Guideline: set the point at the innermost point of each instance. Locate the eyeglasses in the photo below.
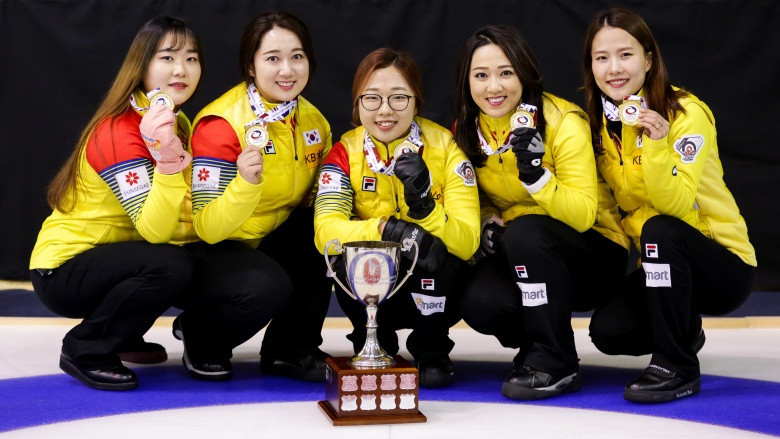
(372, 102)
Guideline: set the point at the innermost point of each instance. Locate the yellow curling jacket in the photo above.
(679, 175)
(224, 205)
(352, 199)
(121, 197)
(570, 190)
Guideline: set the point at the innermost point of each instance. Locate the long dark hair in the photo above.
(525, 66)
(62, 192)
(659, 93)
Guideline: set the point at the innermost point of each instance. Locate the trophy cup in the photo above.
(371, 387)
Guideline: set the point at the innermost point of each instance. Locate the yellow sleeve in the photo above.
(159, 216)
(674, 165)
(456, 220)
(570, 193)
(333, 205)
(222, 216)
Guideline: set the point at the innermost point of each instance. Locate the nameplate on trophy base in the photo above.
(358, 396)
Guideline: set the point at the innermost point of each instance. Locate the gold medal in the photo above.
(522, 119)
(161, 99)
(257, 135)
(403, 148)
(629, 111)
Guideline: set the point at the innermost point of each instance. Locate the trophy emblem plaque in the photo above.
(371, 387)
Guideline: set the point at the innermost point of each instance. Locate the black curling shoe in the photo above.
(658, 384)
(309, 368)
(527, 383)
(140, 351)
(208, 370)
(103, 375)
(436, 373)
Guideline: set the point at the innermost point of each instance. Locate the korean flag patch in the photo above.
(312, 137)
(688, 147)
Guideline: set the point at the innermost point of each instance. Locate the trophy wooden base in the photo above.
(371, 396)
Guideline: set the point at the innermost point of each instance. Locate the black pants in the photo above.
(525, 293)
(692, 275)
(428, 303)
(118, 290)
(297, 331)
(235, 291)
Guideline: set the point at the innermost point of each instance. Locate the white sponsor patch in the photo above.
(133, 182)
(205, 178)
(428, 305)
(689, 147)
(657, 275)
(312, 137)
(269, 148)
(329, 182)
(465, 170)
(651, 250)
(533, 294)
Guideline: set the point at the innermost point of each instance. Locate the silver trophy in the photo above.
(372, 271)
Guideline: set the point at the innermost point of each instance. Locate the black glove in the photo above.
(492, 238)
(432, 249)
(529, 149)
(411, 170)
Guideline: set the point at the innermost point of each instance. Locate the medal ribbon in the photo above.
(265, 117)
(610, 110)
(375, 162)
(486, 146)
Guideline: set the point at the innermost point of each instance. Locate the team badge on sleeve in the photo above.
(312, 137)
(688, 147)
(205, 178)
(329, 182)
(465, 170)
(133, 182)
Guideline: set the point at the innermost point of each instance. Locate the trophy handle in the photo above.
(407, 244)
(332, 273)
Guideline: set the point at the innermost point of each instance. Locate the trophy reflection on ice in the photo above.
(371, 272)
(371, 387)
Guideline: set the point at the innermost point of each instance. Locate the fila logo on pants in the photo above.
(428, 305)
(651, 250)
(533, 294)
(657, 275)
